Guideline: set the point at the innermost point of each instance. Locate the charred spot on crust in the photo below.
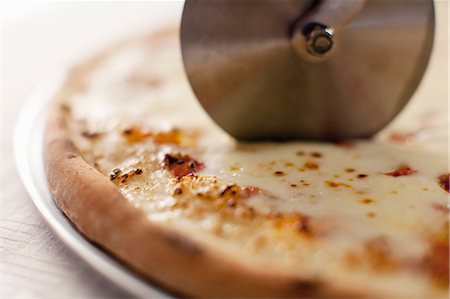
(444, 181)
(71, 155)
(362, 176)
(180, 165)
(279, 173)
(402, 170)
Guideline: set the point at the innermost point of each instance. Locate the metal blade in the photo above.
(242, 67)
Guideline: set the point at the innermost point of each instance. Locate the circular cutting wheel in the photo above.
(252, 79)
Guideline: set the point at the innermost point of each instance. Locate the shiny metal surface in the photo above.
(262, 71)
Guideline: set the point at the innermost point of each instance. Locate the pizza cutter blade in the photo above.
(305, 69)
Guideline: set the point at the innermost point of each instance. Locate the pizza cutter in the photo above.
(305, 69)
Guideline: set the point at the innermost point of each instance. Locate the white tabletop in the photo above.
(36, 39)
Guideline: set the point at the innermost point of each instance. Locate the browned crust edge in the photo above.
(102, 214)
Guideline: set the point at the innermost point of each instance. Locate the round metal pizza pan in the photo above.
(28, 152)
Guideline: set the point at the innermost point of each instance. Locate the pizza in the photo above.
(140, 169)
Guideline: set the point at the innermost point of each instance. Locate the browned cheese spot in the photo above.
(297, 221)
(122, 176)
(402, 170)
(376, 253)
(371, 214)
(444, 181)
(289, 164)
(177, 191)
(367, 201)
(310, 165)
(135, 134)
(279, 173)
(400, 137)
(441, 207)
(316, 155)
(180, 165)
(436, 261)
(115, 173)
(337, 184)
(217, 193)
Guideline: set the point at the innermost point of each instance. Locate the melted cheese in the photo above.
(322, 211)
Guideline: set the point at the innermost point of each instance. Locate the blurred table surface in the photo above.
(37, 38)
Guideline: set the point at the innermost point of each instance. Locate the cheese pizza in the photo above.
(140, 169)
